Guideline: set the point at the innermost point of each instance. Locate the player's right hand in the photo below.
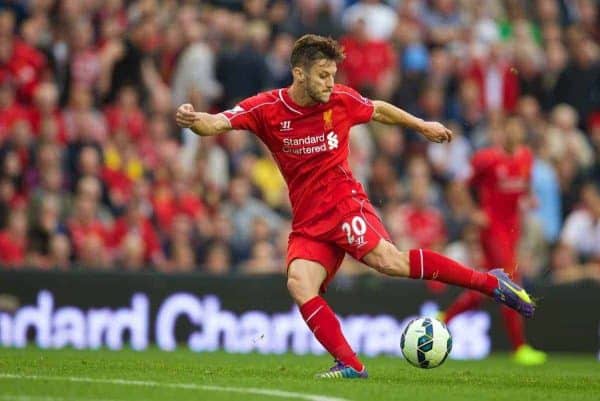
(185, 115)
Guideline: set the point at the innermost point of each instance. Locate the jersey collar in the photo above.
(286, 99)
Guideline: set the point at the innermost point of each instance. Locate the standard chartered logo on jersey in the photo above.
(332, 140)
(311, 144)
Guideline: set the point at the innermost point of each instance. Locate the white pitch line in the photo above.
(186, 386)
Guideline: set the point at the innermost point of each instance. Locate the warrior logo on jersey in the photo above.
(285, 125)
(328, 119)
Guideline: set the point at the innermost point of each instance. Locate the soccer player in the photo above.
(501, 180)
(306, 128)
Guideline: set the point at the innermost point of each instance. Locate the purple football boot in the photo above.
(512, 295)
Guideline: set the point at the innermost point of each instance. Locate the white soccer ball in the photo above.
(426, 343)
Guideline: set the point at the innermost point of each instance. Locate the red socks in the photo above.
(514, 326)
(429, 265)
(466, 301)
(326, 327)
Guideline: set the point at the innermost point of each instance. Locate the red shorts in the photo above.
(355, 228)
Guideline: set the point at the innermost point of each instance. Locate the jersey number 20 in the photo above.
(357, 227)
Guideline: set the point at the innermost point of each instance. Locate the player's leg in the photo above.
(469, 300)
(364, 237)
(306, 278)
(500, 249)
(466, 301)
(428, 265)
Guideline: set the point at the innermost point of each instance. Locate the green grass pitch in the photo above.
(64, 375)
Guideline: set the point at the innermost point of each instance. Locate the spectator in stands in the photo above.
(265, 175)
(218, 259)
(460, 211)
(19, 61)
(179, 247)
(85, 61)
(59, 253)
(443, 21)
(13, 240)
(496, 78)
(239, 59)
(574, 83)
(383, 187)
(594, 172)
(380, 18)
(243, 208)
(451, 162)
(416, 223)
(369, 63)
(81, 116)
(262, 260)
(129, 55)
(565, 139)
(50, 184)
(46, 225)
(8, 198)
(318, 17)
(16, 158)
(278, 60)
(581, 232)
(88, 233)
(134, 239)
(10, 110)
(194, 72)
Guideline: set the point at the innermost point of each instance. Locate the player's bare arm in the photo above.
(203, 124)
(389, 114)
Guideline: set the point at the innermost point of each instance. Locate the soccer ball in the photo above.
(426, 343)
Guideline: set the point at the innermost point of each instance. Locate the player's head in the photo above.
(590, 196)
(314, 64)
(514, 133)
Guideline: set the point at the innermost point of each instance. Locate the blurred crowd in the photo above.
(94, 173)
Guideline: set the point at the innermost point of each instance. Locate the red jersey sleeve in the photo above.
(360, 109)
(246, 114)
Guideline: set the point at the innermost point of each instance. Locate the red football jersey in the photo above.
(310, 145)
(500, 180)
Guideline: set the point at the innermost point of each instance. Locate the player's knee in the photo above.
(299, 288)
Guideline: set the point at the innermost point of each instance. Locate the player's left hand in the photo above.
(436, 132)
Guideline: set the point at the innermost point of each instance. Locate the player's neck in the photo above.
(298, 94)
(511, 149)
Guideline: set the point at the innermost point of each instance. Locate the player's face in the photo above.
(320, 80)
(514, 133)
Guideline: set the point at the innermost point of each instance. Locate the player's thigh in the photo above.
(387, 259)
(360, 232)
(305, 254)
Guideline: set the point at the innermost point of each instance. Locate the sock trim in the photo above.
(422, 269)
(314, 313)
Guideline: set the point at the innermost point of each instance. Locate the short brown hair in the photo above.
(310, 48)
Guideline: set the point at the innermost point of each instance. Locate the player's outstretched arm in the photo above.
(389, 114)
(203, 124)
